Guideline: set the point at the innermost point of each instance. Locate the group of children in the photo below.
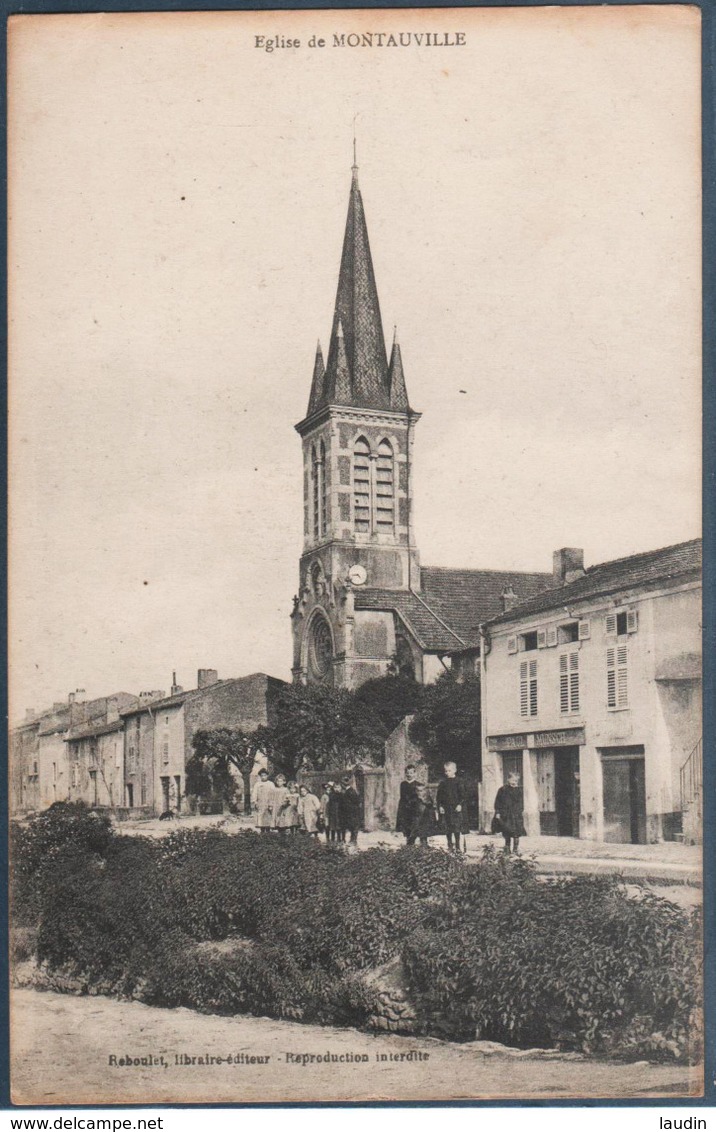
(286, 807)
(418, 817)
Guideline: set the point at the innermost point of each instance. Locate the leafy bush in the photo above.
(576, 963)
(241, 922)
(66, 829)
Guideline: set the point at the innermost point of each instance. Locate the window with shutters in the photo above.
(384, 487)
(623, 622)
(361, 486)
(569, 682)
(165, 749)
(528, 687)
(529, 641)
(617, 677)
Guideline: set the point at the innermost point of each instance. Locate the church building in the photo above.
(365, 606)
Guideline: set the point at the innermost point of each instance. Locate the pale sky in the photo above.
(178, 199)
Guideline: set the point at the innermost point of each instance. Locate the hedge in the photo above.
(243, 923)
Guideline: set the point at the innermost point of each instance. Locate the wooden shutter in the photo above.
(611, 678)
(533, 687)
(541, 638)
(574, 681)
(632, 620)
(611, 623)
(584, 630)
(512, 644)
(622, 677)
(563, 683)
(552, 637)
(524, 691)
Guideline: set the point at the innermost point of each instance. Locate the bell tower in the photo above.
(357, 440)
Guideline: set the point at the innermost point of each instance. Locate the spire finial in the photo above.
(395, 334)
(355, 157)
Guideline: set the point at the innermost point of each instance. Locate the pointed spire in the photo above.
(338, 381)
(358, 310)
(396, 378)
(317, 385)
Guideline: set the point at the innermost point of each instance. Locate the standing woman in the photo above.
(281, 805)
(263, 802)
(508, 813)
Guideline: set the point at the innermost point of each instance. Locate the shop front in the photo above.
(548, 765)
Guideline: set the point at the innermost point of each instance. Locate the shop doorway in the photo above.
(624, 795)
(558, 791)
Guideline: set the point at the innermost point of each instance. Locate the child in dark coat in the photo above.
(508, 813)
(350, 800)
(334, 815)
(451, 807)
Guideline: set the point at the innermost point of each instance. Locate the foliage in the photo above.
(576, 963)
(320, 727)
(389, 699)
(208, 771)
(447, 724)
(64, 828)
(241, 922)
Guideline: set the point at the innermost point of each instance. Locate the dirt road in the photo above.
(87, 1050)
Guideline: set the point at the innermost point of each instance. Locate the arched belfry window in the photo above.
(322, 487)
(361, 485)
(315, 496)
(385, 487)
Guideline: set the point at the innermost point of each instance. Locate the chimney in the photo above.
(567, 564)
(176, 688)
(205, 677)
(509, 599)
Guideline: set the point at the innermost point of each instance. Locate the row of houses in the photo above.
(128, 752)
(590, 689)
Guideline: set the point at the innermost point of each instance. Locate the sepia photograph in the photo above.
(355, 556)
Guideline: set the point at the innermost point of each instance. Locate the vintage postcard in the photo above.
(355, 557)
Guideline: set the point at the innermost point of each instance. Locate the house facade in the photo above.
(95, 753)
(591, 691)
(158, 733)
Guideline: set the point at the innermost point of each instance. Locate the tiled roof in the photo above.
(425, 625)
(467, 598)
(89, 730)
(446, 614)
(649, 569)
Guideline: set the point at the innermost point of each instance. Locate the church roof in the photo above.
(445, 615)
(468, 598)
(357, 371)
(648, 569)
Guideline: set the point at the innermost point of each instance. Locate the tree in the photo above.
(320, 727)
(388, 699)
(208, 771)
(447, 724)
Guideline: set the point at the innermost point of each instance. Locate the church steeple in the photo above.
(357, 367)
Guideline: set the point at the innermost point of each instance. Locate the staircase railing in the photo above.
(691, 776)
